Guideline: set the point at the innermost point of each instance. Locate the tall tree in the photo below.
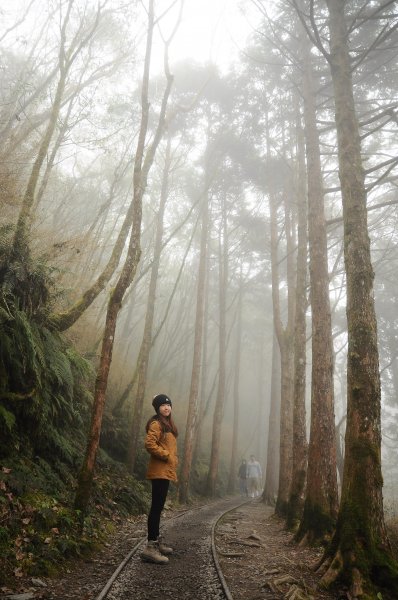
(193, 401)
(236, 396)
(321, 500)
(284, 335)
(359, 552)
(146, 343)
(67, 56)
(220, 400)
(142, 164)
(299, 466)
(270, 493)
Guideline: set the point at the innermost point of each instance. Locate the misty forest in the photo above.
(221, 231)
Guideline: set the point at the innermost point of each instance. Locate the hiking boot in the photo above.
(163, 548)
(152, 554)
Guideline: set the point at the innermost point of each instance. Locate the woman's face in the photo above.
(165, 410)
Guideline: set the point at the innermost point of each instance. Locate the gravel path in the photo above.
(255, 552)
(190, 574)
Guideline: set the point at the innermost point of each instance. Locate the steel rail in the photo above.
(221, 577)
(105, 590)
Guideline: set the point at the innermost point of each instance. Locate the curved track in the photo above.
(193, 570)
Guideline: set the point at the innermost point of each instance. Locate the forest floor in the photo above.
(256, 553)
(259, 560)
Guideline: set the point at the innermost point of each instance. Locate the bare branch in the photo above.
(382, 36)
(21, 20)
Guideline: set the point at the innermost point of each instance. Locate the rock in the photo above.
(38, 582)
(254, 536)
(25, 596)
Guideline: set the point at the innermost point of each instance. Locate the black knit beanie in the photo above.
(160, 399)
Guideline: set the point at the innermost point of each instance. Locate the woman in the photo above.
(161, 443)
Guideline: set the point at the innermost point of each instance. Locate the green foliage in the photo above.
(42, 377)
(41, 532)
(44, 407)
(7, 418)
(39, 529)
(113, 487)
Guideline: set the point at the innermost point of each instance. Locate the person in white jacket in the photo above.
(254, 476)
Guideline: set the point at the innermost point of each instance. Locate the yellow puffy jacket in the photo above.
(163, 450)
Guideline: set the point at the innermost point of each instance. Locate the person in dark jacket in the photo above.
(242, 475)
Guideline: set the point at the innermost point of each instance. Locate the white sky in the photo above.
(211, 30)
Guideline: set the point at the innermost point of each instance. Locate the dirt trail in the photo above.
(259, 561)
(255, 552)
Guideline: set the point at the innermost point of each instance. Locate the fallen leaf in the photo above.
(47, 540)
(6, 470)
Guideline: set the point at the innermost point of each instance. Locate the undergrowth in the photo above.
(45, 404)
(39, 529)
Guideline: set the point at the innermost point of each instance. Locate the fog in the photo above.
(231, 141)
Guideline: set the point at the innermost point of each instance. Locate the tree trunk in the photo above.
(193, 404)
(271, 476)
(20, 242)
(359, 553)
(238, 352)
(284, 336)
(117, 409)
(65, 319)
(219, 407)
(321, 501)
(203, 377)
(299, 468)
(146, 344)
(141, 170)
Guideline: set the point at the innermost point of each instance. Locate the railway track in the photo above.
(193, 571)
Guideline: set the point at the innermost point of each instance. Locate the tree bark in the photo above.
(235, 430)
(321, 501)
(219, 406)
(270, 493)
(193, 402)
(284, 336)
(146, 344)
(359, 553)
(204, 371)
(299, 467)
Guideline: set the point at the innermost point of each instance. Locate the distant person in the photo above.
(161, 443)
(242, 475)
(254, 475)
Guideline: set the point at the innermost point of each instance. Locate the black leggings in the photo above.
(160, 487)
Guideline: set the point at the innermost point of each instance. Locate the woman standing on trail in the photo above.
(161, 444)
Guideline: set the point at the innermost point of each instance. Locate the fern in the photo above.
(28, 344)
(41, 375)
(81, 367)
(7, 417)
(58, 365)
